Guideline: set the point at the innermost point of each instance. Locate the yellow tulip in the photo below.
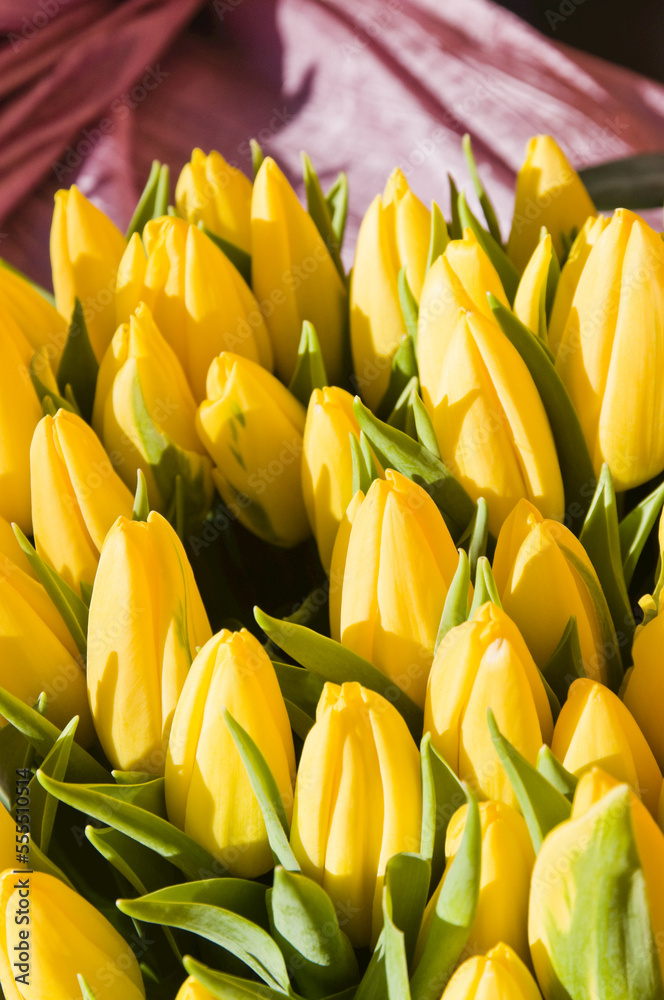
(252, 427)
(208, 793)
(191, 989)
(498, 975)
(484, 664)
(490, 422)
(86, 249)
(146, 621)
(64, 937)
(616, 320)
(539, 568)
(594, 728)
(507, 860)
(358, 801)
(327, 466)
(20, 412)
(394, 574)
(572, 270)
(459, 279)
(143, 395)
(395, 233)
(199, 300)
(530, 298)
(76, 496)
(211, 191)
(549, 193)
(293, 275)
(644, 683)
(39, 322)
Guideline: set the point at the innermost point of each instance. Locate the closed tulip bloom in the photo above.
(498, 975)
(39, 321)
(208, 792)
(191, 989)
(327, 465)
(141, 394)
(617, 319)
(398, 564)
(86, 249)
(481, 664)
(395, 233)
(491, 424)
(252, 427)
(146, 622)
(549, 193)
(20, 412)
(572, 270)
(544, 576)
(76, 496)
(594, 728)
(507, 860)
(293, 274)
(69, 937)
(530, 298)
(644, 687)
(358, 801)
(211, 191)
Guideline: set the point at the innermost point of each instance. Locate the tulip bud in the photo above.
(358, 801)
(530, 298)
(199, 300)
(572, 270)
(20, 412)
(146, 621)
(459, 279)
(394, 233)
(395, 573)
(644, 683)
(481, 664)
(596, 913)
(211, 191)
(191, 989)
(293, 275)
(498, 975)
(63, 937)
(507, 860)
(491, 424)
(542, 571)
(615, 321)
(327, 465)
(595, 728)
(548, 193)
(208, 792)
(143, 405)
(86, 249)
(252, 427)
(39, 322)
(76, 496)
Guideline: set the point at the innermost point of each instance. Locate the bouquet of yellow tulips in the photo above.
(332, 605)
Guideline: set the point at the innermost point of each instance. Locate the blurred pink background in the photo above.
(93, 90)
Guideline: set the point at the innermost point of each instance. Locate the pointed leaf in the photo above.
(226, 987)
(309, 371)
(298, 685)
(153, 201)
(78, 366)
(257, 156)
(426, 435)
(403, 370)
(550, 768)
(86, 992)
(238, 257)
(402, 416)
(479, 536)
(43, 807)
(141, 503)
(409, 307)
(238, 895)
(635, 529)
(455, 230)
(483, 198)
(442, 795)
(439, 235)
(396, 963)
(508, 274)
(457, 608)
(337, 205)
(566, 662)
(319, 211)
(407, 878)
(485, 586)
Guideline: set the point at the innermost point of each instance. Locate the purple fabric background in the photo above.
(361, 86)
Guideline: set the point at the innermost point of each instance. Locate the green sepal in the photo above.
(454, 912)
(319, 211)
(455, 229)
(403, 370)
(542, 805)
(141, 507)
(457, 607)
(396, 962)
(309, 371)
(576, 466)
(442, 795)
(508, 274)
(396, 450)
(257, 156)
(407, 881)
(78, 368)
(483, 198)
(566, 662)
(409, 307)
(154, 199)
(226, 987)
(550, 768)
(238, 257)
(439, 237)
(45, 294)
(47, 391)
(635, 528)
(331, 661)
(266, 791)
(337, 205)
(485, 587)
(43, 807)
(305, 926)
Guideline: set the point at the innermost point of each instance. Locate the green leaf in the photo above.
(426, 435)
(226, 987)
(299, 685)
(309, 371)
(78, 366)
(407, 879)
(396, 450)
(402, 416)
(86, 992)
(635, 528)
(455, 224)
(550, 768)
(300, 722)
(442, 795)
(575, 465)
(439, 235)
(141, 503)
(102, 803)
(331, 661)
(45, 385)
(402, 372)
(266, 791)
(43, 807)
(245, 897)
(542, 805)
(305, 925)
(508, 274)
(454, 912)
(552, 279)
(319, 211)
(337, 205)
(485, 586)
(479, 535)
(238, 257)
(409, 307)
(566, 662)
(457, 608)
(153, 201)
(361, 475)
(396, 963)
(630, 182)
(484, 200)
(257, 156)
